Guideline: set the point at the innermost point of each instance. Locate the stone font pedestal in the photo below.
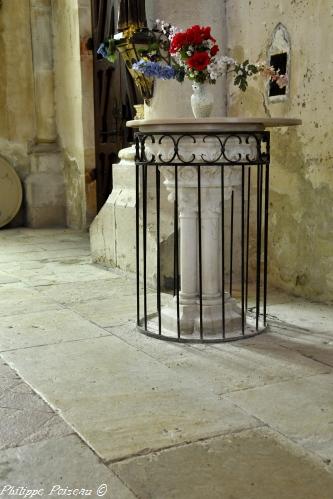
(216, 172)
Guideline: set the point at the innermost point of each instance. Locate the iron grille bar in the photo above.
(222, 252)
(177, 250)
(144, 216)
(158, 255)
(248, 236)
(259, 215)
(200, 251)
(242, 251)
(137, 231)
(266, 241)
(231, 241)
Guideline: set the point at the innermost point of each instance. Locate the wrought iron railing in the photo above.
(232, 168)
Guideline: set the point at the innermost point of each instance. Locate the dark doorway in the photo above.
(114, 97)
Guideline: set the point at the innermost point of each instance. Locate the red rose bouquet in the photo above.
(193, 51)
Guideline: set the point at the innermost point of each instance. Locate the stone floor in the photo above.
(88, 403)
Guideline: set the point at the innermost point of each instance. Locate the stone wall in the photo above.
(301, 216)
(46, 108)
(17, 120)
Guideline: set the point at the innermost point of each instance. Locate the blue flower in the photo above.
(154, 70)
(102, 50)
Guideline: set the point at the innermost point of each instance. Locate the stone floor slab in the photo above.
(58, 272)
(121, 400)
(73, 293)
(66, 462)
(45, 328)
(300, 409)
(14, 398)
(251, 464)
(17, 301)
(44, 264)
(13, 247)
(6, 278)
(55, 427)
(7, 383)
(318, 347)
(17, 425)
(116, 310)
(43, 255)
(20, 406)
(227, 367)
(313, 317)
(7, 372)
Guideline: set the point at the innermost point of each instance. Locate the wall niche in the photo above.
(278, 56)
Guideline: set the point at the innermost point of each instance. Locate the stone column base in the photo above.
(45, 188)
(189, 317)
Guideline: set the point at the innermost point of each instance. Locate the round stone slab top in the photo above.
(211, 124)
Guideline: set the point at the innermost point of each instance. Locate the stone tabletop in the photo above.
(211, 124)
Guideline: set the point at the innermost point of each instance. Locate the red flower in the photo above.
(178, 42)
(214, 50)
(193, 35)
(199, 61)
(205, 33)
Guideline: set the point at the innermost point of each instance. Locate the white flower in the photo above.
(173, 30)
(178, 58)
(218, 66)
(227, 60)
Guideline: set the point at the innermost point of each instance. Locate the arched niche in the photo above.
(278, 55)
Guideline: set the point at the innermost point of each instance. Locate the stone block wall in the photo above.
(17, 121)
(301, 216)
(46, 108)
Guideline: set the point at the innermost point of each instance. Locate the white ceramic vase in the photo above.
(202, 100)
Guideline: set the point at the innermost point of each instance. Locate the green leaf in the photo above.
(252, 68)
(243, 85)
(111, 58)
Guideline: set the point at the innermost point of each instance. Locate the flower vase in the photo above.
(202, 100)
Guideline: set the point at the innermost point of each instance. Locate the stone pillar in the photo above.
(188, 210)
(188, 218)
(42, 48)
(45, 190)
(210, 218)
